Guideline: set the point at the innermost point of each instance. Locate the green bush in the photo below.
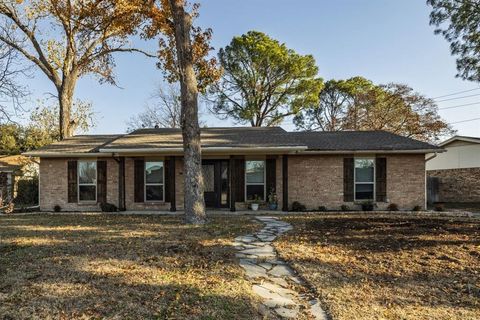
(439, 207)
(298, 207)
(57, 208)
(392, 207)
(108, 207)
(417, 208)
(368, 206)
(344, 207)
(27, 192)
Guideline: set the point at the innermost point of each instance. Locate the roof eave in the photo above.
(36, 154)
(205, 150)
(411, 151)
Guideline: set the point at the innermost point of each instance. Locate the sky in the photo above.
(382, 40)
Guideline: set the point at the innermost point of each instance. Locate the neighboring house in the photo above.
(455, 174)
(11, 169)
(143, 170)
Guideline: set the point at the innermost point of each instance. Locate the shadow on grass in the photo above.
(126, 267)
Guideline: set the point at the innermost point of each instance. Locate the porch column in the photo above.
(173, 201)
(285, 182)
(233, 183)
(121, 184)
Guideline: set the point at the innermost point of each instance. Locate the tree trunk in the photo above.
(194, 201)
(65, 100)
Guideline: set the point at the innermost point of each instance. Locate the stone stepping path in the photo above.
(272, 279)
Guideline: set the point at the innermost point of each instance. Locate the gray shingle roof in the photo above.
(77, 144)
(237, 137)
(359, 140)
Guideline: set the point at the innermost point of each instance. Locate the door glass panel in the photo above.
(224, 175)
(208, 171)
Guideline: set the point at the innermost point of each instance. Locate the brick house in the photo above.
(143, 170)
(455, 174)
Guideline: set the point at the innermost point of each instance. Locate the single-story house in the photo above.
(143, 170)
(455, 174)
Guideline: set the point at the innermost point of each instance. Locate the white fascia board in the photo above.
(67, 154)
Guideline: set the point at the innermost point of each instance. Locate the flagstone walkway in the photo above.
(272, 279)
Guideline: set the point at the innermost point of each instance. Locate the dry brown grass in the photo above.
(388, 266)
(122, 267)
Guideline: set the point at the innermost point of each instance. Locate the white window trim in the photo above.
(87, 184)
(256, 183)
(153, 184)
(372, 183)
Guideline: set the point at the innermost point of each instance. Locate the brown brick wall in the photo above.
(318, 181)
(458, 185)
(54, 185)
(313, 180)
(406, 180)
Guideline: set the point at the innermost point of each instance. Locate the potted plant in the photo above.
(272, 200)
(255, 203)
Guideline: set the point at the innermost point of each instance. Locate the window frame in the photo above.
(87, 184)
(145, 183)
(373, 183)
(256, 183)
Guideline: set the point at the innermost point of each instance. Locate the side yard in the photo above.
(135, 267)
(371, 266)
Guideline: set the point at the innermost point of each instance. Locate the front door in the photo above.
(215, 177)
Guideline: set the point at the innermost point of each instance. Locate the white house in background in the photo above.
(457, 171)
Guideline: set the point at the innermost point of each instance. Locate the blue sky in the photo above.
(383, 40)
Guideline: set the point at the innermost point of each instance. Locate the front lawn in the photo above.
(122, 267)
(371, 266)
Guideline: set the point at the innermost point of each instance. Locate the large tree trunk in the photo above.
(194, 201)
(65, 101)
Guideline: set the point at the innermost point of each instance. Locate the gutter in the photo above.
(66, 154)
(431, 157)
(419, 151)
(206, 150)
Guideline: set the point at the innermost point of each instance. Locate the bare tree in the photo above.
(12, 93)
(165, 112)
(68, 39)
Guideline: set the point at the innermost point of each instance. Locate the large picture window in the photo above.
(87, 181)
(364, 179)
(154, 181)
(255, 179)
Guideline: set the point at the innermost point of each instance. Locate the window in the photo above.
(255, 180)
(87, 180)
(154, 189)
(364, 179)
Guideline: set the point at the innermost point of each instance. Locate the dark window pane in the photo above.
(154, 172)
(154, 193)
(364, 170)
(87, 172)
(255, 190)
(364, 192)
(87, 193)
(208, 171)
(255, 171)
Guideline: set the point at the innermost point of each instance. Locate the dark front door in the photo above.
(215, 177)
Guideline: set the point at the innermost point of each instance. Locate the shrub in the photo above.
(108, 207)
(367, 206)
(392, 207)
(322, 208)
(439, 207)
(417, 208)
(344, 207)
(297, 206)
(27, 192)
(57, 208)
